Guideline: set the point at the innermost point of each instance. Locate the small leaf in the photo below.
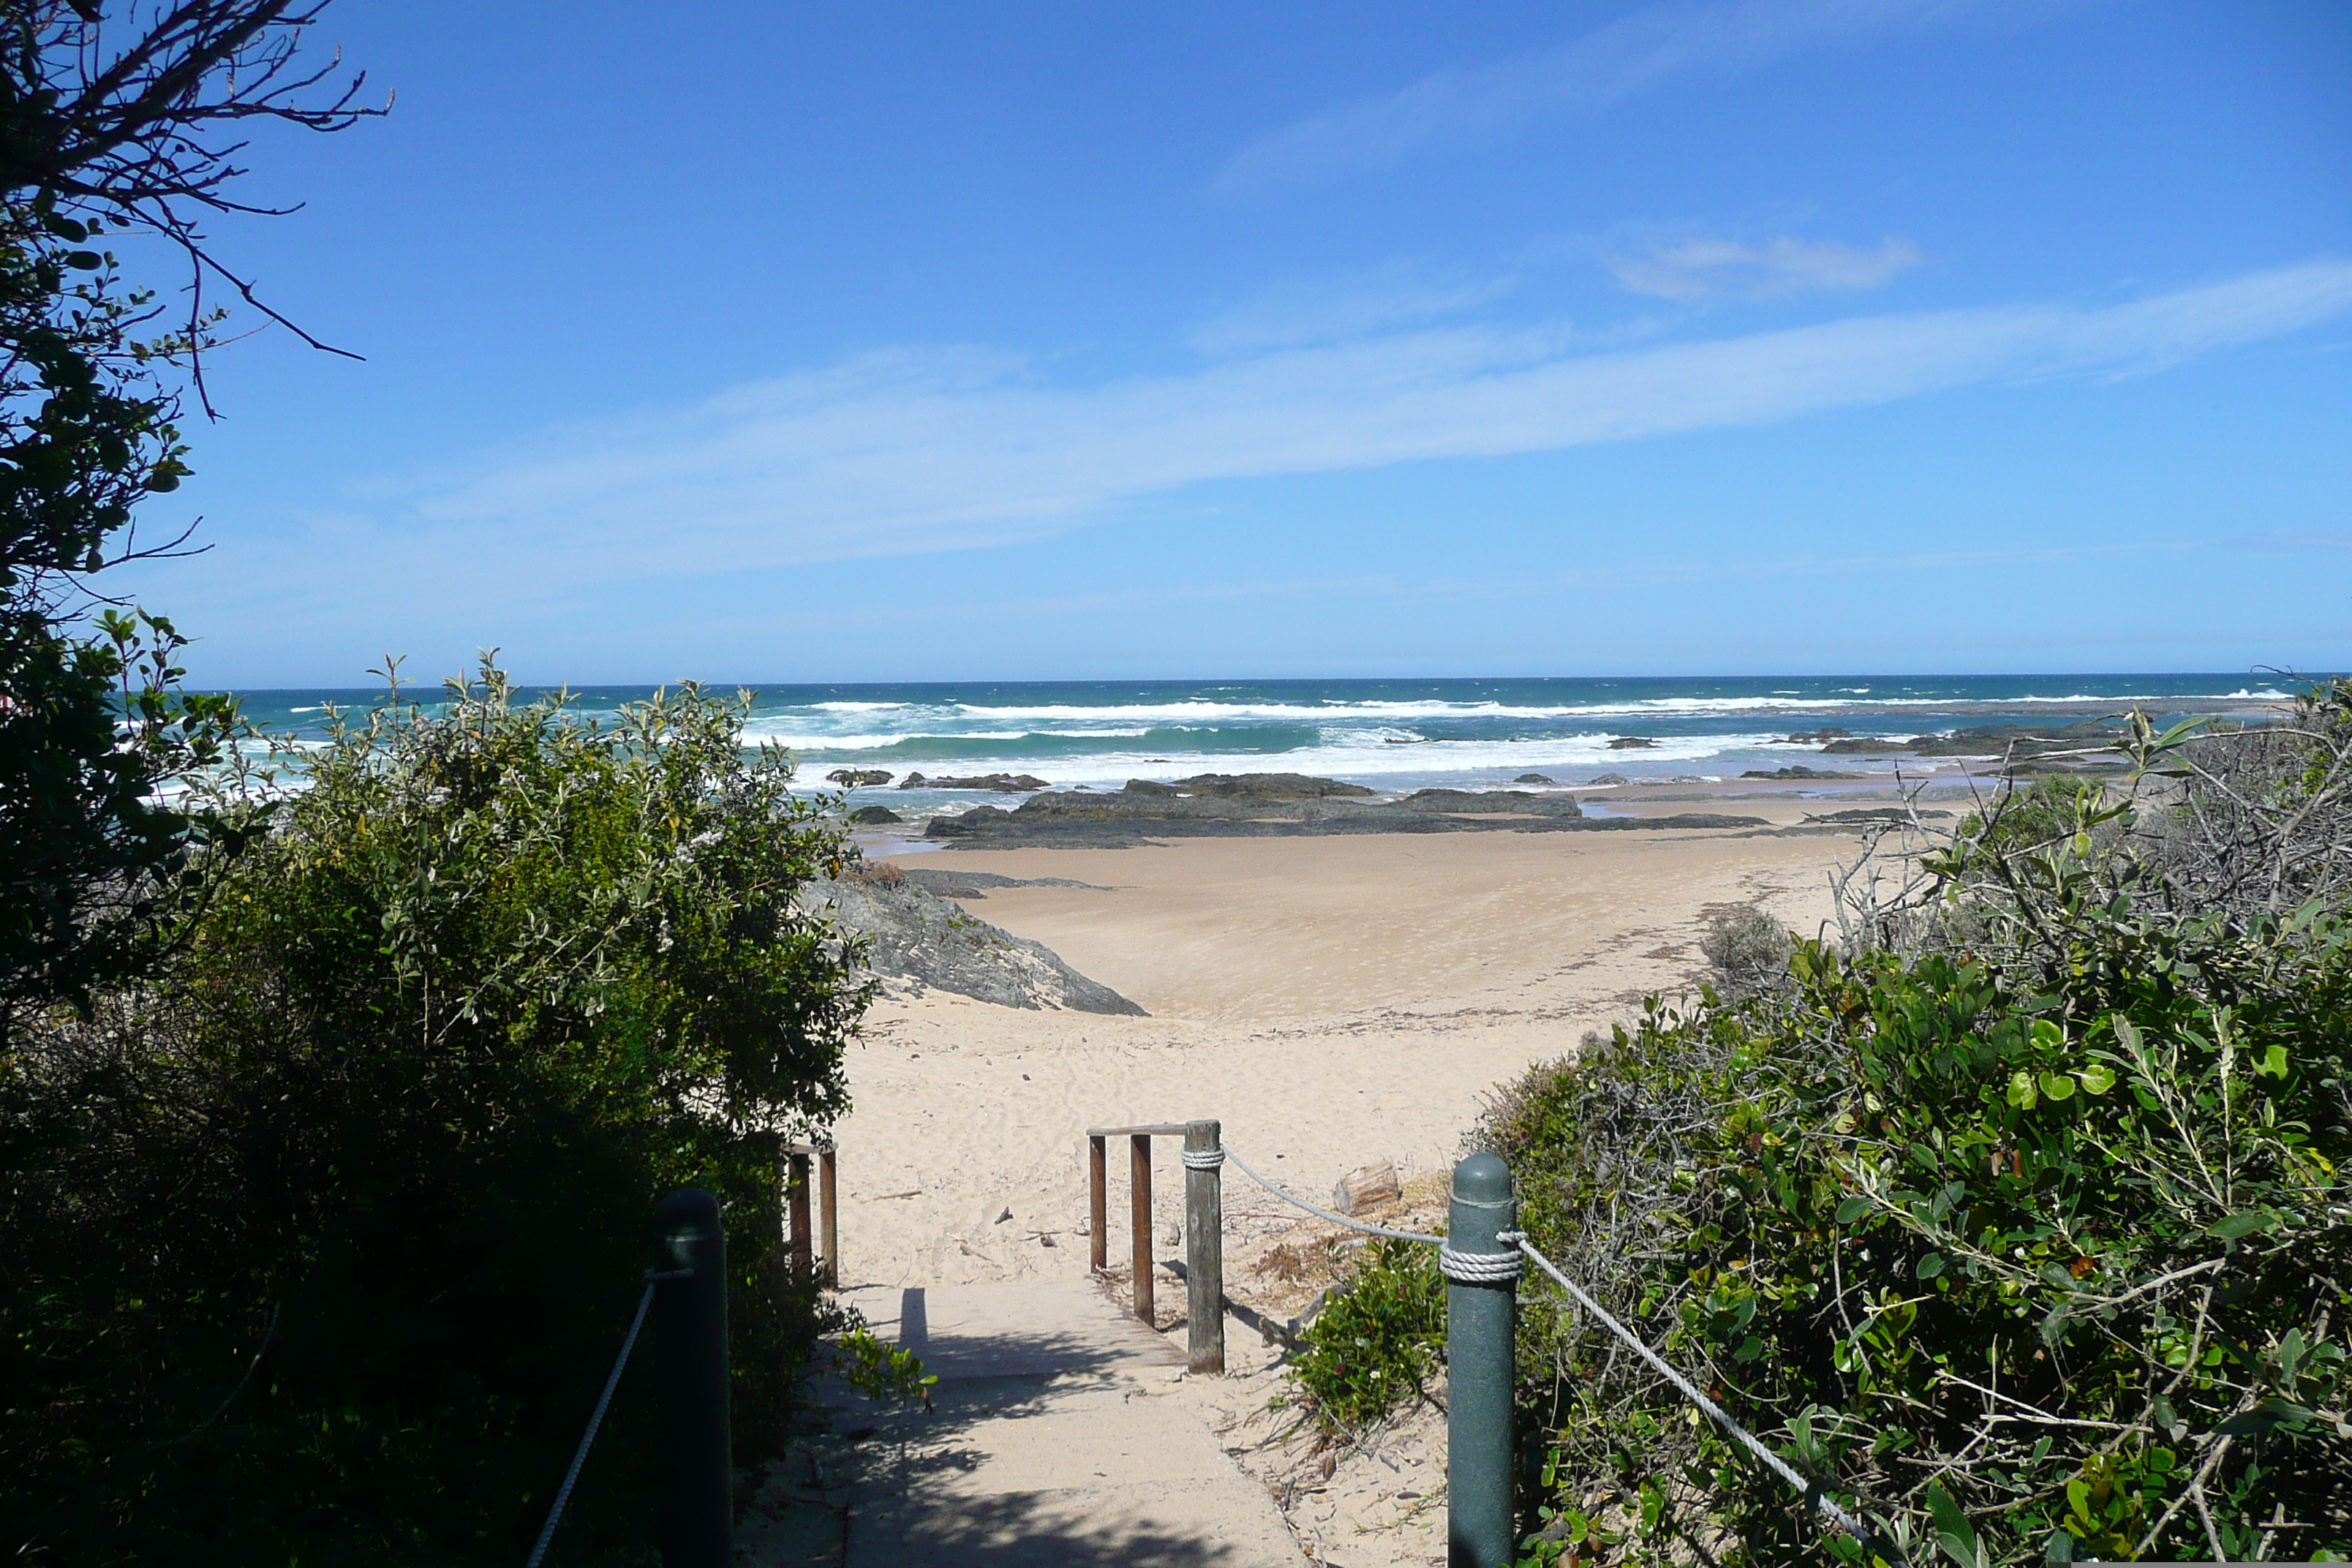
(1929, 1265)
(2273, 1062)
(2047, 1034)
(2057, 1085)
(1954, 1534)
(2242, 1224)
(2262, 1418)
(2098, 1079)
(2021, 1092)
(1852, 1209)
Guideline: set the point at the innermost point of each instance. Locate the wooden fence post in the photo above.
(1204, 1248)
(828, 1162)
(1098, 1204)
(796, 1197)
(1139, 1175)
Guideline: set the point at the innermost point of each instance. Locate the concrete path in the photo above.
(1053, 1443)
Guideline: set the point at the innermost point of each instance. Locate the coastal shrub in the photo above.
(882, 1372)
(322, 1241)
(2031, 1243)
(1748, 951)
(1379, 1341)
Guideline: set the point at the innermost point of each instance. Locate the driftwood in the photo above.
(1361, 1189)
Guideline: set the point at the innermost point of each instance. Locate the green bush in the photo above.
(2031, 1244)
(1378, 1341)
(1748, 951)
(322, 1243)
(882, 1372)
(2128, 1224)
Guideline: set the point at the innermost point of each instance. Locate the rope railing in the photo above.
(1475, 1267)
(686, 1298)
(596, 1420)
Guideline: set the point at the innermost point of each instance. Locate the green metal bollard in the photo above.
(698, 1505)
(1481, 1321)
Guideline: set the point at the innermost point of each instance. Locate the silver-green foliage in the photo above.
(2032, 1242)
(323, 1241)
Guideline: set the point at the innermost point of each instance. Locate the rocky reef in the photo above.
(915, 939)
(1274, 806)
(1002, 784)
(2016, 741)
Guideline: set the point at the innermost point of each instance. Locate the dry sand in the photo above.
(1334, 1002)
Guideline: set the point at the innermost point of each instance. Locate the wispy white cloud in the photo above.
(1471, 105)
(917, 451)
(1402, 293)
(2296, 541)
(1723, 268)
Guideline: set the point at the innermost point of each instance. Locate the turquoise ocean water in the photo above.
(1390, 734)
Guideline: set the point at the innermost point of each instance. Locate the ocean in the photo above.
(1388, 734)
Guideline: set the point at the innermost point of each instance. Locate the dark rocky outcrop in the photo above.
(1257, 786)
(1631, 743)
(1532, 778)
(857, 778)
(973, 884)
(1814, 737)
(1288, 807)
(1612, 779)
(1002, 784)
(1799, 772)
(2016, 741)
(1878, 813)
(1488, 802)
(873, 815)
(917, 938)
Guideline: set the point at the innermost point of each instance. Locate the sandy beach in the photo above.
(1336, 1002)
(1333, 1001)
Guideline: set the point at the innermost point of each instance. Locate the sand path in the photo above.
(1334, 1002)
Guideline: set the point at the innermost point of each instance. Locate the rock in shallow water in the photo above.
(1286, 807)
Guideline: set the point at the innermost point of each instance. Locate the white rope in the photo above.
(1478, 1268)
(1498, 1268)
(1204, 1159)
(1327, 1213)
(1780, 1466)
(564, 1493)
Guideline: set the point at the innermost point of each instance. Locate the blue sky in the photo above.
(893, 342)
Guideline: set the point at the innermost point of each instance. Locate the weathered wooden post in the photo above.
(1098, 1204)
(1138, 1181)
(1482, 1274)
(698, 1505)
(796, 1198)
(828, 1166)
(1204, 1247)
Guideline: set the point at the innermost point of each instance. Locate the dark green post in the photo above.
(1481, 1319)
(697, 1508)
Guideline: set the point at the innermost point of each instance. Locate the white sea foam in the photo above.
(1409, 768)
(1113, 718)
